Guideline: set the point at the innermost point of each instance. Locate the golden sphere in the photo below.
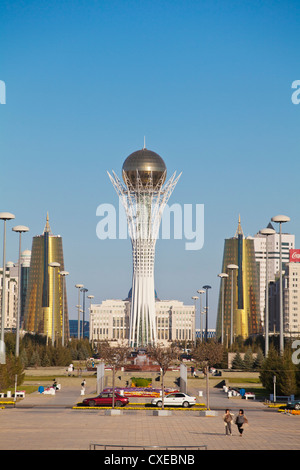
(145, 164)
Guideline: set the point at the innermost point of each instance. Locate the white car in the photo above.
(175, 399)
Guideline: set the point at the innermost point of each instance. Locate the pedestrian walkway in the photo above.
(49, 422)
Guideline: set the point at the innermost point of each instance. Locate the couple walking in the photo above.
(240, 421)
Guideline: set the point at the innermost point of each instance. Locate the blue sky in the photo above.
(209, 85)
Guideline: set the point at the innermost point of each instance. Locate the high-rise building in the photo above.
(244, 291)
(260, 247)
(291, 298)
(11, 296)
(144, 197)
(43, 310)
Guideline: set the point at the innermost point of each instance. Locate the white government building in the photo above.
(174, 321)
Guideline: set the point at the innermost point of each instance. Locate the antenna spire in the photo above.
(144, 142)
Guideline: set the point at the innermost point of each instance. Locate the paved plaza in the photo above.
(49, 422)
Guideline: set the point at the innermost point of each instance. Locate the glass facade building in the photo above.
(40, 301)
(244, 290)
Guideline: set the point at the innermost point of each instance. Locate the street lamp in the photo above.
(4, 216)
(78, 286)
(83, 290)
(19, 229)
(280, 219)
(222, 276)
(200, 292)
(53, 265)
(231, 267)
(63, 274)
(267, 232)
(206, 307)
(195, 298)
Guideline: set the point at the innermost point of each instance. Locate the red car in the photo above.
(105, 399)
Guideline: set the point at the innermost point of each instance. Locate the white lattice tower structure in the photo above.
(144, 204)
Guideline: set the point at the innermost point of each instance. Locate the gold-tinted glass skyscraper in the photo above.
(246, 315)
(38, 316)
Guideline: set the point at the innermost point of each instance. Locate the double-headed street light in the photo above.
(53, 265)
(78, 286)
(19, 229)
(267, 232)
(222, 276)
(83, 290)
(63, 274)
(206, 308)
(231, 267)
(195, 298)
(200, 292)
(4, 216)
(280, 219)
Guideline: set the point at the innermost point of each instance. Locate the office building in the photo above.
(260, 247)
(44, 311)
(244, 318)
(110, 320)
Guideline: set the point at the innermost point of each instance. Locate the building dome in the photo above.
(145, 164)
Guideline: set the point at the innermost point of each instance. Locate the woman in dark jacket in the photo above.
(240, 421)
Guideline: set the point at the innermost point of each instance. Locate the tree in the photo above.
(207, 355)
(164, 356)
(237, 362)
(248, 360)
(283, 369)
(115, 356)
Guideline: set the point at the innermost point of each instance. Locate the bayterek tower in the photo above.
(144, 196)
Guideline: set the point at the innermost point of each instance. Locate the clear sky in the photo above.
(209, 85)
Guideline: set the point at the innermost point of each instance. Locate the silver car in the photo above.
(175, 399)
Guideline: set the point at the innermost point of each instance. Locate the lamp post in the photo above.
(83, 290)
(200, 292)
(195, 298)
(78, 286)
(91, 298)
(267, 232)
(206, 307)
(19, 229)
(63, 274)
(280, 219)
(222, 276)
(231, 267)
(4, 216)
(53, 265)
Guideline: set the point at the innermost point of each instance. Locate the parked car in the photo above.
(175, 399)
(293, 405)
(105, 399)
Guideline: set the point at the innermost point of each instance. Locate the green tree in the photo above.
(248, 360)
(237, 362)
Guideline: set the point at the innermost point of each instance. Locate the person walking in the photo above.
(240, 421)
(227, 418)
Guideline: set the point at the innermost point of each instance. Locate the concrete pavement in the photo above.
(47, 422)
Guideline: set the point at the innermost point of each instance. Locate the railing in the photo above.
(93, 446)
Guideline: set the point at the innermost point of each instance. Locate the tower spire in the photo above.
(47, 226)
(239, 230)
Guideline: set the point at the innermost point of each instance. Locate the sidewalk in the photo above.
(49, 422)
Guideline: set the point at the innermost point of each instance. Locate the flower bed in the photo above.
(140, 391)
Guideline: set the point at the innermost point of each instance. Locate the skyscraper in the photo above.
(244, 291)
(40, 304)
(144, 197)
(260, 241)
